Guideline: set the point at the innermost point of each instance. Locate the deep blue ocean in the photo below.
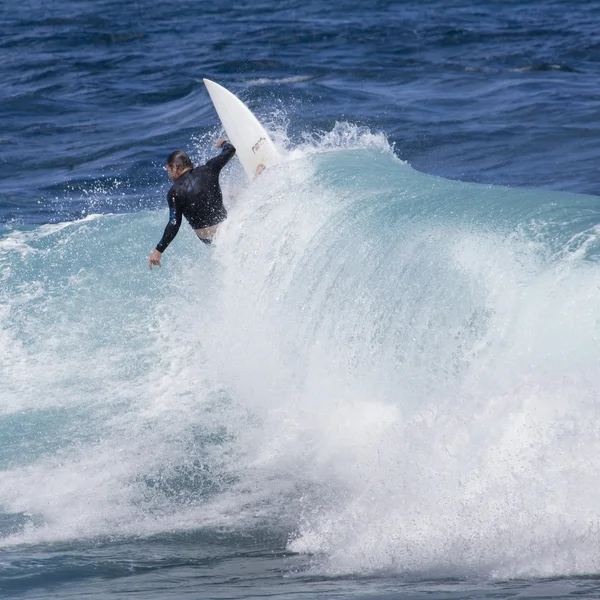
(383, 381)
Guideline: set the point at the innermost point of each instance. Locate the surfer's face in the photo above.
(172, 171)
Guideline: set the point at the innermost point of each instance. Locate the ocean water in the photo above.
(383, 379)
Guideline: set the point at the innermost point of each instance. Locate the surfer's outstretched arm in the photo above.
(171, 230)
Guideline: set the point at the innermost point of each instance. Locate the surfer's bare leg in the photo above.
(207, 234)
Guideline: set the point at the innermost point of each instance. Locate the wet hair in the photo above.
(179, 160)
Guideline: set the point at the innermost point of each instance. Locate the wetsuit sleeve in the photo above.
(218, 162)
(174, 222)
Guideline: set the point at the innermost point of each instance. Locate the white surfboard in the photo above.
(254, 147)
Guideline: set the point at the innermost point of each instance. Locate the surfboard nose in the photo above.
(255, 148)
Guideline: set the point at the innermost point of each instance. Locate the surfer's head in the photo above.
(178, 162)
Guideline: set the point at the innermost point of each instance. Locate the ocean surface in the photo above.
(383, 380)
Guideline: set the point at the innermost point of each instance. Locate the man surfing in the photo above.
(196, 195)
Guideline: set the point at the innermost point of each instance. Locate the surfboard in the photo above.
(255, 148)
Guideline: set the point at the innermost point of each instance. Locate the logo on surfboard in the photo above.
(258, 145)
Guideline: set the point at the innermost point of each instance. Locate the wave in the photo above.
(397, 371)
(280, 80)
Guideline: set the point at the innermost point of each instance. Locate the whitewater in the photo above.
(375, 370)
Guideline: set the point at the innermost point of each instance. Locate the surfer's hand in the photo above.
(220, 142)
(154, 259)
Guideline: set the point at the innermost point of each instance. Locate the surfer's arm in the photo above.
(173, 225)
(227, 152)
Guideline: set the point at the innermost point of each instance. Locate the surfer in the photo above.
(196, 195)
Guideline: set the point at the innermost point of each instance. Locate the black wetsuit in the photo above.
(196, 195)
